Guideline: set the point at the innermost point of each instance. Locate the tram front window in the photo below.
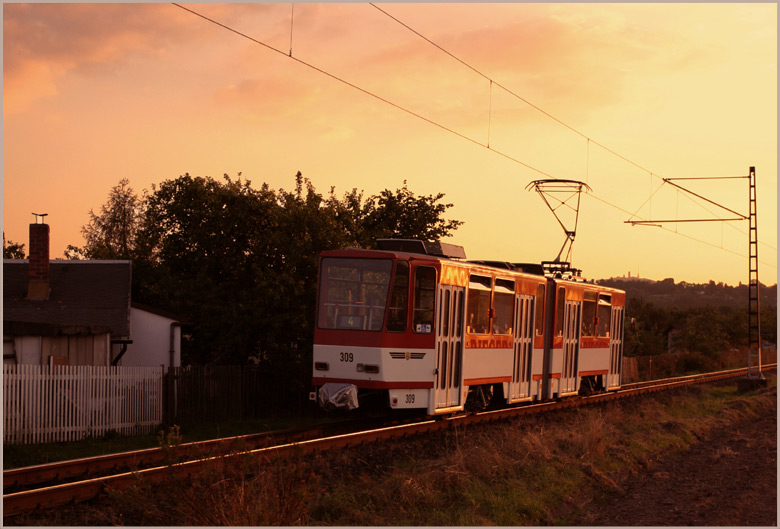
(353, 293)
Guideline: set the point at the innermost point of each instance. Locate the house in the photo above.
(69, 312)
(156, 338)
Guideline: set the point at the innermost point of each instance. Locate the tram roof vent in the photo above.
(437, 248)
(530, 268)
(495, 264)
(443, 249)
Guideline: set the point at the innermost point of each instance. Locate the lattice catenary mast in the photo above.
(754, 374)
(754, 315)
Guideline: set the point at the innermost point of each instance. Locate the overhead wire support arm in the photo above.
(669, 181)
(711, 178)
(288, 53)
(754, 375)
(666, 221)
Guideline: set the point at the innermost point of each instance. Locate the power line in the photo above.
(728, 223)
(743, 232)
(566, 125)
(428, 120)
(669, 181)
(369, 93)
(521, 98)
(678, 233)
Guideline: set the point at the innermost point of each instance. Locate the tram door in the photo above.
(522, 347)
(449, 345)
(571, 346)
(615, 347)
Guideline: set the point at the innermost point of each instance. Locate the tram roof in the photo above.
(435, 250)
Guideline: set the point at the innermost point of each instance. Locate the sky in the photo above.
(475, 101)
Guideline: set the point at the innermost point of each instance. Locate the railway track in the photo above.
(60, 471)
(18, 479)
(51, 485)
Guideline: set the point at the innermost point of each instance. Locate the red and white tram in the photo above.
(414, 325)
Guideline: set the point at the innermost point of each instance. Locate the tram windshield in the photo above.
(353, 293)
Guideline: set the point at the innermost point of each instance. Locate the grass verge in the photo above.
(533, 471)
(34, 454)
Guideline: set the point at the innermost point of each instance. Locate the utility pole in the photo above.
(754, 377)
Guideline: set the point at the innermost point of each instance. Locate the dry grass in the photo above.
(534, 471)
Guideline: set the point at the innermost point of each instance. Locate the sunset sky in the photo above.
(630, 94)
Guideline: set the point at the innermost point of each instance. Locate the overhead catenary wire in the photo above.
(587, 161)
(292, 16)
(649, 199)
(669, 181)
(490, 113)
(509, 91)
(688, 192)
(428, 120)
(687, 195)
(679, 233)
(367, 92)
(561, 122)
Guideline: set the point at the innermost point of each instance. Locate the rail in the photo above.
(296, 443)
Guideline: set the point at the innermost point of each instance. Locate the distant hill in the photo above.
(670, 295)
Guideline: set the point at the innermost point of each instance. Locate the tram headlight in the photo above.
(321, 366)
(367, 368)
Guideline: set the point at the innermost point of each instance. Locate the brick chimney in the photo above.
(38, 285)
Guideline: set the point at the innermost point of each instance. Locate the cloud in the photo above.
(32, 80)
(268, 97)
(44, 42)
(77, 35)
(567, 58)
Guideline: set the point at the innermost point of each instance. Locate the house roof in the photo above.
(87, 297)
(157, 311)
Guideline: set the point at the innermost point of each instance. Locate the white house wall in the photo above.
(27, 348)
(151, 335)
(90, 350)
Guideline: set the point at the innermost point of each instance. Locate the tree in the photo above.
(241, 263)
(645, 328)
(400, 214)
(703, 331)
(111, 234)
(12, 250)
(209, 250)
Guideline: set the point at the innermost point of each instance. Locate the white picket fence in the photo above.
(67, 403)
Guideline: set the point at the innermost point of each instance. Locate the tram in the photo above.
(414, 325)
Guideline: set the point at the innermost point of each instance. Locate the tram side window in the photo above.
(424, 298)
(503, 303)
(561, 302)
(478, 305)
(399, 299)
(604, 313)
(589, 314)
(539, 320)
